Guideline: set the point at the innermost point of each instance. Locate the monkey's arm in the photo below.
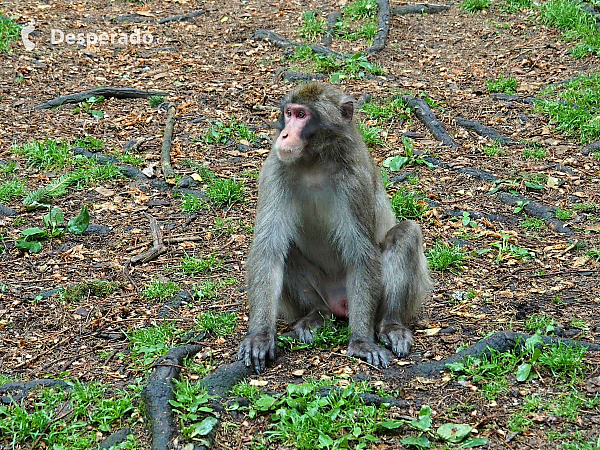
(273, 233)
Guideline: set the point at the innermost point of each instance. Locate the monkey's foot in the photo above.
(396, 337)
(306, 327)
(370, 352)
(255, 348)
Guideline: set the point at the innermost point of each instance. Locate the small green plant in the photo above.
(594, 253)
(155, 101)
(520, 205)
(540, 323)
(445, 257)
(578, 323)
(533, 224)
(516, 5)
(563, 214)
(54, 226)
(389, 110)
(327, 336)
(508, 249)
(190, 203)
(408, 205)
(89, 142)
(161, 290)
(9, 31)
(494, 149)
(585, 207)
(147, 344)
(371, 135)
(506, 85)
(473, 6)
(246, 390)
(395, 163)
(534, 152)
(596, 155)
(192, 403)
(47, 154)
(222, 133)
(467, 221)
(81, 291)
(219, 325)
(88, 107)
(192, 266)
(7, 168)
(127, 157)
(224, 192)
(360, 9)
(209, 289)
(312, 27)
(12, 189)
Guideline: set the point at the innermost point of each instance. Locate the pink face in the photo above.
(289, 144)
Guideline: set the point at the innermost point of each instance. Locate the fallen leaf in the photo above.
(258, 383)
(298, 373)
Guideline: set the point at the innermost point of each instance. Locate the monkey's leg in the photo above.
(405, 280)
(303, 300)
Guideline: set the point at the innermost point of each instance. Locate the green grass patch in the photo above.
(155, 101)
(74, 419)
(220, 325)
(538, 322)
(506, 85)
(386, 111)
(331, 334)
(494, 149)
(360, 9)
(81, 291)
(190, 203)
(148, 344)
(48, 154)
(209, 289)
(516, 5)
(473, 6)
(585, 207)
(9, 31)
(594, 253)
(9, 190)
(161, 290)
(574, 107)
(191, 265)
(563, 214)
(534, 152)
(224, 192)
(533, 224)
(312, 26)
(443, 257)
(224, 132)
(371, 135)
(408, 205)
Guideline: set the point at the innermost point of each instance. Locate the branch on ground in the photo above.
(103, 91)
(165, 154)
(426, 115)
(282, 42)
(383, 27)
(537, 209)
(158, 247)
(11, 393)
(484, 130)
(182, 17)
(419, 9)
(332, 20)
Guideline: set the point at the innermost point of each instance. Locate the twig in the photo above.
(103, 91)
(165, 155)
(383, 27)
(158, 248)
(484, 130)
(426, 115)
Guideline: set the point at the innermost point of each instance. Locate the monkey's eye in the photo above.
(288, 112)
(301, 114)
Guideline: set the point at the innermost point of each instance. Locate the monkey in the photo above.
(326, 241)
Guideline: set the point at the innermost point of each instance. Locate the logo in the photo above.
(25, 32)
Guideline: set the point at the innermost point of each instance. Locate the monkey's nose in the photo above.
(284, 136)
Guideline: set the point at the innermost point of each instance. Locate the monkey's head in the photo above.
(312, 115)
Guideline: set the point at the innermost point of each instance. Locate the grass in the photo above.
(222, 133)
(473, 6)
(312, 26)
(494, 149)
(224, 192)
(192, 266)
(9, 190)
(371, 135)
(408, 205)
(516, 5)
(192, 403)
(573, 107)
(209, 289)
(356, 66)
(576, 23)
(48, 154)
(585, 207)
(563, 214)
(147, 344)
(9, 31)
(360, 9)
(81, 291)
(161, 290)
(445, 257)
(74, 418)
(387, 111)
(534, 152)
(594, 253)
(506, 85)
(538, 322)
(219, 325)
(155, 101)
(533, 224)
(331, 334)
(190, 203)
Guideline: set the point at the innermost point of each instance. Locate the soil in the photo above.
(213, 70)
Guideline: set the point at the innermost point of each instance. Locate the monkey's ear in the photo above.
(347, 108)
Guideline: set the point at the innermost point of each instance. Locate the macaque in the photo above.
(326, 242)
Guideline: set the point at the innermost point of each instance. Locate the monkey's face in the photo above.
(291, 142)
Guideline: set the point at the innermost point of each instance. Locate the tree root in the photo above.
(484, 130)
(594, 146)
(159, 392)
(419, 9)
(103, 91)
(182, 17)
(332, 20)
(299, 76)
(501, 342)
(282, 42)
(383, 27)
(536, 209)
(165, 154)
(158, 247)
(16, 391)
(426, 115)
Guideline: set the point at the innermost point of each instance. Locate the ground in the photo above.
(213, 71)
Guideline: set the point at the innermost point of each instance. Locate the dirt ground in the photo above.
(212, 70)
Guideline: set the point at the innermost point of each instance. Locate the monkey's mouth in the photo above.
(286, 154)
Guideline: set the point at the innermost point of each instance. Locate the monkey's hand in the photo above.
(370, 352)
(306, 327)
(397, 338)
(254, 350)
